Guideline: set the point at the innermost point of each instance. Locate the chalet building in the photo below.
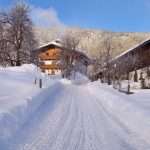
(133, 59)
(135, 62)
(49, 58)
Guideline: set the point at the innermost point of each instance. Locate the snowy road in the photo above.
(75, 118)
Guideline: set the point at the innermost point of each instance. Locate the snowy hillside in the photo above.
(69, 114)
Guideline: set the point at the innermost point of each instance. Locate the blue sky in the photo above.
(114, 15)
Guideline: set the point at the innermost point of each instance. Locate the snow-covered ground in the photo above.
(19, 97)
(66, 115)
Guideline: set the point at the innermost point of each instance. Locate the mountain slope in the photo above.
(91, 40)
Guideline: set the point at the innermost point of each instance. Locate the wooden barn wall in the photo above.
(50, 54)
(134, 60)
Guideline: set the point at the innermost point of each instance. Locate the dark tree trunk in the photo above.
(18, 63)
(135, 77)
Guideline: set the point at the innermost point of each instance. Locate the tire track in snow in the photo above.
(78, 135)
(47, 129)
(78, 121)
(71, 128)
(129, 138)
(109, 129)
(96, 131)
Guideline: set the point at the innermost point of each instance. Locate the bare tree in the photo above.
(4, 44)
(70, 44)
(19, 38)
(107, 46)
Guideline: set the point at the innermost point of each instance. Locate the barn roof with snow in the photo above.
(135, 58)
(133, 49)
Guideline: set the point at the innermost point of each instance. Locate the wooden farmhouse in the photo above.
(49, 58)
(133, 64)
(130, 61)
(133, 59)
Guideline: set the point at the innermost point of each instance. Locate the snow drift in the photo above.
(20, 97)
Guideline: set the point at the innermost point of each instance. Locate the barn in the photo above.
(133, 59)
(134, 63)
(131, 64)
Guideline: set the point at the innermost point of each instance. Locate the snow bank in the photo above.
(76, 78)
(20, 97)
(13, 119)
(79, 78)
(24, 68)
(131, 111)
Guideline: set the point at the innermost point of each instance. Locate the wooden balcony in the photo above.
(49, 58)
(51, 67)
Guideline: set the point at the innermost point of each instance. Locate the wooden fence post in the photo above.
(35, 81)
(40, 83)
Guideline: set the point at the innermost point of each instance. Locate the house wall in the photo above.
(50, 54)
(49, 61)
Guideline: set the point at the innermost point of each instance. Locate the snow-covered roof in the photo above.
(55, 43)
(58, 43)
(131, 49)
